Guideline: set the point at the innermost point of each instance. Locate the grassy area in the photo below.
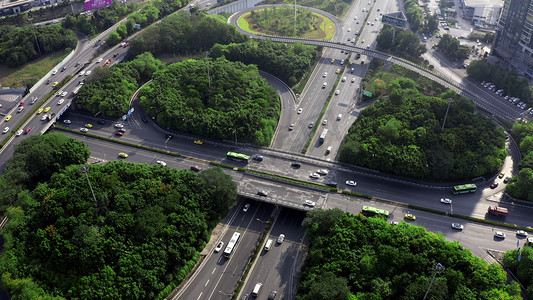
(35, 70)
(321, 28)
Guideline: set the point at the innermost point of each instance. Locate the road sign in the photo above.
(396, 19)
(124, 117)
(137, 26)
(367, 94)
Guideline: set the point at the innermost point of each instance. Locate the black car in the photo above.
(331, 184)
(358, 56)
(258, 157)
(272, 295)
(115, 55)
(296, 165)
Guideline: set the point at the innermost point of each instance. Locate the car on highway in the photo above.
(296, 165)
(363, 41)
(337, 71)
(27, 130)
(272, 295)
(332, 60)
(33, 100)
(118, 125)
(77, 64)
(349, 29)
(281, 238)
(55, 83)
(324, 85)
(258, 157)
(20, 132)
(324, 122)
(457, 226)
(63, 93)
(311, 124)
(409, 216)
(123, 155)
(122, 130)
(246, 207)
(8, 118)
(88, 73)
(300, 110)
(501, 175)
(310, 203)
(323, 172)
(343, 79)
(89, 125)
(198, 142)
(44, 117)
(99, 60)
(506, 179)
(196, 168)
(21, 103)
(5, 130)
(291, 127)
(372, 24)
(160, 162)
(262, 193)
(499, 234)
(342, 62)
(494, 185)
(521, 233)
(83, 129)
(337, 92)
(325, 74)
(445, 201)
(20, 109)
(60, 101)
(351, 183)
(219, 247)
(118, 133)
(314, 176)
(54, 72)
(47, 109)
(353, 79)
(82, 73)
(67, 121)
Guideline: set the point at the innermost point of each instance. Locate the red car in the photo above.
(119, 133)
(126, 45)
(196, 168)
(21, 103)
(27, 130)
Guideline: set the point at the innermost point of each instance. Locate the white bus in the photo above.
(232, 245)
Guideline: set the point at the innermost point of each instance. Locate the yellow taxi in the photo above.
(198, 142)
(47, 109)
(501, 175)
(332, 60)
(8, 118)
(56, 83)
(123, 155)
(337, 71)
(40, 111)
(410, 217)
(89, 125)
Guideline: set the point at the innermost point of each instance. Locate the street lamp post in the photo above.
(450, 100)
(438, 268)
(208, 75)
(84, 170)
(36, 40)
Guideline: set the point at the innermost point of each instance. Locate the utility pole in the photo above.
(36, 40)
(294, 16)
(450, 100)
(438, 269)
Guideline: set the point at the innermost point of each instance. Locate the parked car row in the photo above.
(500, 92)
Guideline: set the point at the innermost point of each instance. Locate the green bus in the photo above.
(370, 211)
(464, 188)
(238, 157)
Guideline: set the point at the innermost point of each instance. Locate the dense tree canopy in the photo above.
(521, 186)
(405, 44)
(402, 136)
(523, 269)
(35, 160)
(354, 257)
(413, 14)
(182, 34)
(336, 8)
(452, 48)
(233, 102)
(21, 45)
(110, 89)
(289, 62)
(509, 81)
(128, 240)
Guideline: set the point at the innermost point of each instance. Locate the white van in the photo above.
(257, 288)
(268, 245)
(339, 117)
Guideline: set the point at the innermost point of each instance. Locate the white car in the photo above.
(521, 233)
(219, 247)
(281, 238)
(324, 122)
(314, 176)
(67, 121)
(160, 162)
(324, 85)
(20, 109)
(325, 74)
(300, 110)
(99, 60)
(457, 226)
(88, 72)
(351, 183)
(499, 234)
(83, 129)
(6, 130)
(291, 127)
(20, 132)
(82, 73)
(310, 203)
(54, 72)
(445, 200)
(60, 101)
(246, 207)
(63, 94)
(353, 80)
(349, 29)
(337, 92)
(43, 118)
(323, 172)
(118, 125)
(344, 79)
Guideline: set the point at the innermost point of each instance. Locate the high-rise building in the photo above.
(514, 43)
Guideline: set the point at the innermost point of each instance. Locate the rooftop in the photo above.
(481, 3)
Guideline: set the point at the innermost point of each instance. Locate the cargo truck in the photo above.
(497, 211)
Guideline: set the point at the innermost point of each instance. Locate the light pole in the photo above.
(450, 100)
(208, 75)
(36, 40)
(294, 16)
(84, 170)
(438, 269)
